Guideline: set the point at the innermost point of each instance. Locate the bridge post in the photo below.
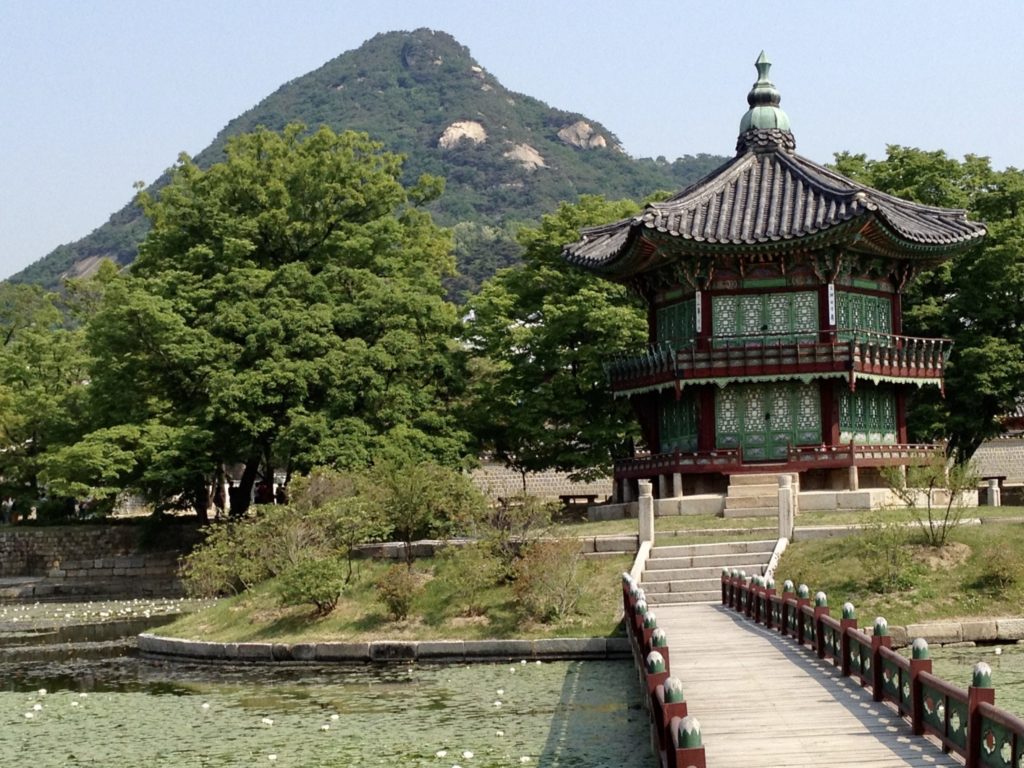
(686, 739)
(879, 639)
(646, 513)
(802, 598)
(848, 622)
(787, 507)
(769, 603)
(919, 662)
(979, 692)
(820, 609)
(787, 607)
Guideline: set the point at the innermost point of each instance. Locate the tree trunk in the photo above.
(245, 485)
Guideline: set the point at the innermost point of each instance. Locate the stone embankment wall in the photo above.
(497, 481)
(90, 560)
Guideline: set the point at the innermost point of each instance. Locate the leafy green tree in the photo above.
(976, 298)
(43, 373)
(421, 499)
(286, 311)
(541, 334)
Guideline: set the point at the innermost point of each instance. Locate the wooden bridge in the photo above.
(775, 681)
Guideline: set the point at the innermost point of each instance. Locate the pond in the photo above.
(131, 712)
(955, 665)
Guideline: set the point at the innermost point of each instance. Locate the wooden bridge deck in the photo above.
(763, 701)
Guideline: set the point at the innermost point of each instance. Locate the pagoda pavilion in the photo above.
(776, 344)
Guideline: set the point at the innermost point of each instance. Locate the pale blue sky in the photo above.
(96, 95)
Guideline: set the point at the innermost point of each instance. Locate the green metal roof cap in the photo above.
(764, 101)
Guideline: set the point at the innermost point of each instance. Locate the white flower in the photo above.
(334, 717)
(38, 707)
(441, 753)
(206, 705)
(29, 715)
(271, 758)
(524, 759)
(42, 691)
(74, 703)
(499, 733)
(267, 721)
(468, 755)
(497, 703)
(325, 727)
(501, 691)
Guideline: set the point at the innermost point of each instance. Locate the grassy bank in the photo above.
(436, 612)
(978, 573)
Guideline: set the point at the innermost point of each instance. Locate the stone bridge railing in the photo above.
(965, 721)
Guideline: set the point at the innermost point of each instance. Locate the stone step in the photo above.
(661, 588)
(754, 567)
(719, 548)
(762, 500)
(761, 478)
(681, 598)
(751, 512)
(706, 561)
(743, 491)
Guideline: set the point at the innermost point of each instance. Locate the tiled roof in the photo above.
(768, 193)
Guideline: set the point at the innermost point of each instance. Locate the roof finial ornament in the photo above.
(765, 117)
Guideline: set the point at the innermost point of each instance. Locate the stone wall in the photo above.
(1002, 456)
(94, 559)
(497, 481)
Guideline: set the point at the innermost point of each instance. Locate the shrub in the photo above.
(468, 572)
(930, 482)
(512, 525)
(547, 582)
(883, 546)
(1001, 567)
(397, 589)
(316, 581)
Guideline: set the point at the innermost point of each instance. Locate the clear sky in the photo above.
(96, 95)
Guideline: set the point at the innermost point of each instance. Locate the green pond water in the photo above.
(131, 712)
(955, 665)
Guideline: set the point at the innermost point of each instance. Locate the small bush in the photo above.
(1001, 568)
(469, 571)
(512, 525)
(883, 546)
(397, 589)
(316, 581)
(547, 581)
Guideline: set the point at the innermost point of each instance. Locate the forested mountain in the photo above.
(506, 157)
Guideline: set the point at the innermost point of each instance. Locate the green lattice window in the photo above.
(679, 423)
(791, 314)
(861, 312)
(677, 323)
(765, 419)
(868, 416)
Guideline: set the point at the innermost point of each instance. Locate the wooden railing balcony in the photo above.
(739, 357)
(798, 458)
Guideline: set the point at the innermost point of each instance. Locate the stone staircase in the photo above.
(692, 573)
(755, 495)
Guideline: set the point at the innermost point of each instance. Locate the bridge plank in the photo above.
(763, 701)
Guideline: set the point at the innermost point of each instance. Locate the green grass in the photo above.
(257, 616)
(959, 581)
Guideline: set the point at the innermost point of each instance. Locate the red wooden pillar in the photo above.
(846, 624)
(918, 663)
(819, 635)
(980, 692)
(877, 643)
(706, 418)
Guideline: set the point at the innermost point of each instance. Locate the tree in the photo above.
(541, 333)
(286, 311)
(43, 371)
(976, 298)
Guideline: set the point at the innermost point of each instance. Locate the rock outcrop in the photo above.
(581, 134)
(462, 130)
(528, 157)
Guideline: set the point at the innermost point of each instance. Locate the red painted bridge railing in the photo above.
(965, 721)
(675, 734)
